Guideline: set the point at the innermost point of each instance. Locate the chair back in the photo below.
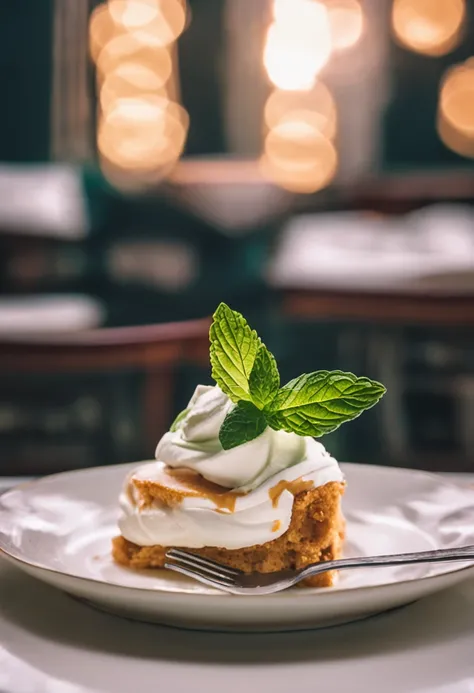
(93, 397)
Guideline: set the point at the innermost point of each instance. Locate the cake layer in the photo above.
(173, 507)
(315, 533)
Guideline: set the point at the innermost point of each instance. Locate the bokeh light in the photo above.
(153, 22)
(455, 122)
(295, 14)
(454, 139)
(298, 44)
(143, 109)
(298, 157)
(316, 106)
(126, 48)
(457, 97)
(141, 132)
(346, 20)
(133, 13)
(102, 29)
(130, 80)
(300, 116)
(431, 27)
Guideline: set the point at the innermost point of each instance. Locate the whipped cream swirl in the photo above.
(195, 445)
(252, 470)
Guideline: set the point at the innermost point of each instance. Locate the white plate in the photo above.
(59, 529)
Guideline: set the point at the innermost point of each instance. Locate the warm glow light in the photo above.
(133, 13)
(456, 109)
(317, 106)
(141, 132)
(455, 139)
(298, 44)
(142, 135)
(126, 48)
(455, 122)
(144, 109)
(303, 180)
(102, 29)
(292, 60)
(431, 27)
(142, 151)
(347, 23)
(165, 20)
(129, 80)
(300, 114)
(295, 141)
(298, 157)
(295, 14)
(138, 75)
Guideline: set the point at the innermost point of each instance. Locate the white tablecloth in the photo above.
(50, 643)
(49, 314)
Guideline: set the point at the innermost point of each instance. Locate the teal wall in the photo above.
(25, 79)
(410, 136)
(26, 40)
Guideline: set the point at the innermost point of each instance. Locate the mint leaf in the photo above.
(318, 403)
(233, 350)
(177, 421)
(243, 423)
(264, 378)
(246, 371)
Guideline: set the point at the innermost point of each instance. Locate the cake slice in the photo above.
(315, 531)
(239, 477)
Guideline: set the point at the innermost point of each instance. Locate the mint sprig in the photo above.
(233, 350)
(242, 424)
(264, 379)
(311, 405)
(317, 403)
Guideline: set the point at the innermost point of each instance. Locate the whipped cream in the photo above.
(194, 523)
(260, 473)
(195, 445)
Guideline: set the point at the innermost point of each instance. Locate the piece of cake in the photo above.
(239, 480)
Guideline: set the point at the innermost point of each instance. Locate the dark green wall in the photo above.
(410, 136)
(25, 79)
(26, 40)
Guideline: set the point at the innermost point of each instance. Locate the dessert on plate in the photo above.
(239, 477)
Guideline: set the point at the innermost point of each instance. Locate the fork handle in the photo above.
(463, 553)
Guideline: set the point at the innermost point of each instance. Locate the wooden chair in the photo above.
(92, 397)
(393, 309)
(418, 341)
(419, 347)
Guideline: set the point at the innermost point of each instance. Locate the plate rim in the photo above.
(180, 595)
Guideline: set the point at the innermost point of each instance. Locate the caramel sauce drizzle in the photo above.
(276, 526)
(192, 484)
(176, 484)
(294, 487)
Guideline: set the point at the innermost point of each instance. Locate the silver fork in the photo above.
(234, 581)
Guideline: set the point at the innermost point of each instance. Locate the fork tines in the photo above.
(199, 567)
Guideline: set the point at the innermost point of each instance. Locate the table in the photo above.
(376, 269)
(27, 315)
(50, 643)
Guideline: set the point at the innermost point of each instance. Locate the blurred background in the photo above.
(310, 162)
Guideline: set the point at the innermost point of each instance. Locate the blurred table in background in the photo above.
(391, 297)
(406, 189)
(92, 397)
(345, 279)
(171, 255)
(22, 315)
